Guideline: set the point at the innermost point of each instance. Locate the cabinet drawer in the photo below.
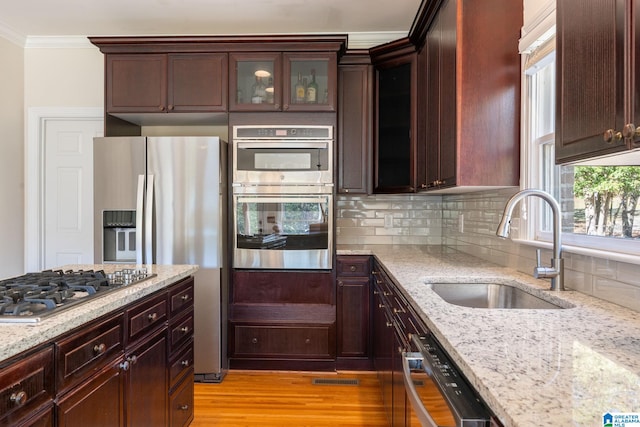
(83, 353)
(25, 386)
(181, 297)
(289, 341)
(145, 317)
(181, 403)
(180, 331)
(181, 363)
(353, 265)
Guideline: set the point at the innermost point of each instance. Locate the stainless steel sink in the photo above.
(490, 295)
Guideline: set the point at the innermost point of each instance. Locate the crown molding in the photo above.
(11, 35)
(357, 40)
(58, 42)
(365, 40)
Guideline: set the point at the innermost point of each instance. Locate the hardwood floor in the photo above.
(267, 398)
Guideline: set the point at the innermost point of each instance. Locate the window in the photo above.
(599, 203)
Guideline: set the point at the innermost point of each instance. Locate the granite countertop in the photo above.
(532, 367)
(19, 337)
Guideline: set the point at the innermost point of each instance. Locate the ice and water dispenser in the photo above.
(119, 235)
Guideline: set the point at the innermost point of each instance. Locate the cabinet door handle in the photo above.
(184, 329)
(184, 407)
(98, 349)
(610, 136)
(170, 108)
(19, 398)
(185, 297)
(185, 363)
(152, 317)
(132, 359)
(161, 107)
(124, 365)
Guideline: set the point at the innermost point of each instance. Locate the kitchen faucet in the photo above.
(556, 271)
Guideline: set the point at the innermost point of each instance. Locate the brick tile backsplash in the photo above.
(436, 219)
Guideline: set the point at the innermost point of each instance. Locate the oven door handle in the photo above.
(412, 394)
(276, 199)
(282, 144)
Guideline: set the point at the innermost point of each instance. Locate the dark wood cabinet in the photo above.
(26, 387)
(163, 83)
(353, 312)
(282, 320)
(395, 123)
(355, 123)
(266, 81)
(597, 74)
(126, 368)
(469, 74)
(146, 397)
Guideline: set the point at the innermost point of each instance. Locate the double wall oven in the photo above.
(283, 197)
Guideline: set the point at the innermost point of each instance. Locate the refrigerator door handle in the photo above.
(139, 218)
(148, 222)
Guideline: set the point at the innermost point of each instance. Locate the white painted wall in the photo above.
(11, 159)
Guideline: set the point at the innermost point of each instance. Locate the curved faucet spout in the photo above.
(556, 271)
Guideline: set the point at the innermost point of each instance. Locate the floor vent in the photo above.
(334, 381)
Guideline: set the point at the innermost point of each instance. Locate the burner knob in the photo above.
(19, 398)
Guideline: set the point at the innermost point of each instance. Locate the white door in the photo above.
(68, 191)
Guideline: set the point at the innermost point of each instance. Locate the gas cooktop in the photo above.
(33, 296)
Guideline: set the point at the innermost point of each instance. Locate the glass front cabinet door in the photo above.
(310, 81)
(282, 82)
(257, 79)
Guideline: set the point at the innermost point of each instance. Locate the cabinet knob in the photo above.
(423, 186)
(170, 108)
(185, 297)
(184, 329)
(132, 359)
(152, 317)
(346, 190)
(161, 107)
(124, 365)
(389, 324)
(352, 268)
(99, 348)
(254, 340)
(185, 363)
(19, 398)
(284, 107)
(277, 106)
(610, 136)
(630, 131)
(307, 341)
(184, 407)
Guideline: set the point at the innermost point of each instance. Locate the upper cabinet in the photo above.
(283, 81)
(597, 78)
(166, 83)
(355, 122)
(205, 77)
(395, 117)
(469, 90)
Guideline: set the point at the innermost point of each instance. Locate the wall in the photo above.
(11, 159)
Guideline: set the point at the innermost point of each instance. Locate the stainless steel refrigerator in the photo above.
(162, 200)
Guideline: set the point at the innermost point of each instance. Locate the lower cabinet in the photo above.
(282, 320)
(133, 367)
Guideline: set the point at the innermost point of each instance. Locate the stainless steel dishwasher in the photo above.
(439, 394)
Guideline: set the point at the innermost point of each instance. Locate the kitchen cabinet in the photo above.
(353, 312)
(597, 89)
(166, 83)
(124, 369)
(27, 389)
(394, 320)
(395, 117)
(469, 84)
(355, 122)
(289, 81)
(282, 320)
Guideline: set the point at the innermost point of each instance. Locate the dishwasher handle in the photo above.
(412, 394)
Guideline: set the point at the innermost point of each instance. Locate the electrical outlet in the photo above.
(388, 220)
(461, 223)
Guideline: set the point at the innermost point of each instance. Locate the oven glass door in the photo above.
(283, 231)
(282, 162)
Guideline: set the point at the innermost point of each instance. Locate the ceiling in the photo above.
(24, 19)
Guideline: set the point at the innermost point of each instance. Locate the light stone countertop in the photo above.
(18, 337)
(532, 367)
